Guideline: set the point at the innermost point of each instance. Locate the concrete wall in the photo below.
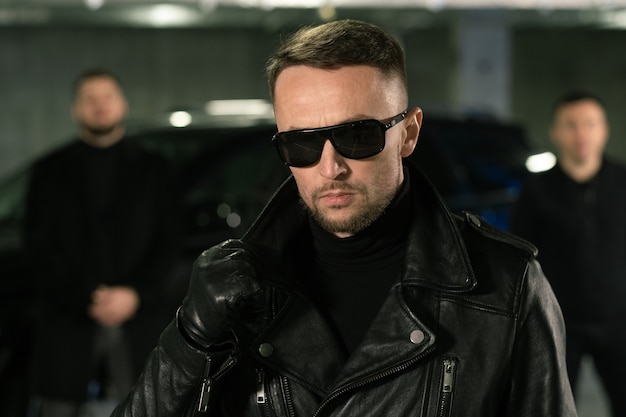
(164, 68)
(546, 62)
(160, 69)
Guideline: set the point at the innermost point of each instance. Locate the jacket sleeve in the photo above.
(176, 380)
(539, 385)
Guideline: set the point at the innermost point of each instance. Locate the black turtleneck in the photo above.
(352, 276)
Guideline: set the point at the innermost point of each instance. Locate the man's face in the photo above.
(99, 106)
(580, 131)
(346, 195)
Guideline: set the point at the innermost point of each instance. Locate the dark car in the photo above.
(226, 176)
(227, 172)
(478, 165)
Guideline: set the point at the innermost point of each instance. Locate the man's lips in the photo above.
(337, 198)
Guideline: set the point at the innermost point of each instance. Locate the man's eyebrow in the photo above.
(355, 118)
(352, 119)
(358, 117)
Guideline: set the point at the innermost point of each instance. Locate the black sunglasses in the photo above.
(354, 140)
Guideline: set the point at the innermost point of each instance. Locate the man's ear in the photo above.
(413, 124)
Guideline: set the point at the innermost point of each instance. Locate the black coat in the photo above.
(580, 231)
(115, 223)
(472, 329)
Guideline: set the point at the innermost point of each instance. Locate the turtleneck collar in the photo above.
(371, 246)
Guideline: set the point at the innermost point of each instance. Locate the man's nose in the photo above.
(331, 165)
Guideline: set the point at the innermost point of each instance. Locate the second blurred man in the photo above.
(574, 213)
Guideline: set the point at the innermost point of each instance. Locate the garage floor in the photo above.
(591, 400)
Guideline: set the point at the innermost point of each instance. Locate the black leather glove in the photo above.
(224, 296)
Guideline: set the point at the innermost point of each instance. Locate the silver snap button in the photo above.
(265, 350)
(417, 337)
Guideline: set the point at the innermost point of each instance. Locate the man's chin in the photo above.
(100, 130)
(341, 224)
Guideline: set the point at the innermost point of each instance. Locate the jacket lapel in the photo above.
(436, 254)
(302, 346)
(396, 340)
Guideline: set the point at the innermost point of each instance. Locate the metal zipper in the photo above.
(205, 387)
(262, 398)
(260, 387)
(287, 395)
(372, 379)
(207, 381)
(447, 387)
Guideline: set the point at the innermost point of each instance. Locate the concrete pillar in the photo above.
(484, 42)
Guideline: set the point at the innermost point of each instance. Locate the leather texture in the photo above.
(224, 293)
(471, 329)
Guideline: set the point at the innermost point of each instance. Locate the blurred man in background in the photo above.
(101, 232)
(574, 213)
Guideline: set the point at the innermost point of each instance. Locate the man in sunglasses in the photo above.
(356, 292)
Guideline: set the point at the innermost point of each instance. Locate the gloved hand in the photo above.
(224, 296)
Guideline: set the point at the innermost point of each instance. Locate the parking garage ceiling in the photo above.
(402, 14)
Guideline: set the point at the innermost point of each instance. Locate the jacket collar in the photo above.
(298, 341)
(436, 254)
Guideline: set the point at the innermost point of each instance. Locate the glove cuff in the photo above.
(220, 347)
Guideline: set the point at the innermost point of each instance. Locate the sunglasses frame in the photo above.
(384, 126)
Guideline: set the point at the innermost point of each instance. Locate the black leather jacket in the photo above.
(472, 329)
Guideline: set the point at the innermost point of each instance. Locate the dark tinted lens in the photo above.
(356, 140)
(360, 139)
(298, 148)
